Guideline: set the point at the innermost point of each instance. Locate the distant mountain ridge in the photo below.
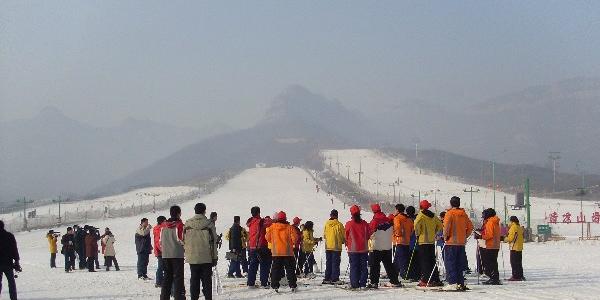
(52, 154)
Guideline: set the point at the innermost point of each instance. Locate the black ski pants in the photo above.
(516, 263)
(279, 264)
(201, 273)
(173, 279)
(385, 257)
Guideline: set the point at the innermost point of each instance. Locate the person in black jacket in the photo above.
(80, 246)
(143, 247)
(235, 247)
(68, 249)
(9, 260)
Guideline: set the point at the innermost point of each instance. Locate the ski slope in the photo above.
(378, 167)
(556, 270)
(111, 206)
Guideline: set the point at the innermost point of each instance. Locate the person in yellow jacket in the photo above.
(306, 259)
(515, 241)
(427, 226)
(335, 237)
(52, 240)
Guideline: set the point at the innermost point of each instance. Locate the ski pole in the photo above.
(503, 268)
(434, 267)
(477, 255)
(411, 259)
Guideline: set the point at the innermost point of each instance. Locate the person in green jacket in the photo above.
(200, 245)
(335, 237)
(426, 227)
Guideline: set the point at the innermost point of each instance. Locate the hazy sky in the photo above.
(192, 63)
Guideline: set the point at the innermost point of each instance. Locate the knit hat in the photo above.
(296, 221)
(281, 216)
(355, 209)
(424, 204)
(375, 208)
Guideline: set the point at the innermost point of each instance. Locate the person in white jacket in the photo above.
(109, 251)
(381, 239)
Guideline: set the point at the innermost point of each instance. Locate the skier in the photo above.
(489, 255)
(91, 247)
(258, 253)
(298, 244)
(235, 236)
(143, 247)
(413, 272)
(426, 226)
(171, 247)
(403, 229)
(52, 240)
(357, 236)
(306, 260)
(200, 251)
(68, 249)
(9, 260)
(160, 271)
(382, 231)
(334, 236)
(457, 227)
(515, 240)
(109, 251)
(283, 237)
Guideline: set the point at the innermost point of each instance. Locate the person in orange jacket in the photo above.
(403, 229)
(457, 227)
(491, 235)
(282, 238)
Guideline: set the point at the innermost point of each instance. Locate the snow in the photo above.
(379, 167)
(47, 214)
(555, 270)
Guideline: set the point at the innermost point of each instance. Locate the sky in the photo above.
(196, 63)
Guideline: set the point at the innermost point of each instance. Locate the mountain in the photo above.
(519, 127)
(297, 124)
(52, 154)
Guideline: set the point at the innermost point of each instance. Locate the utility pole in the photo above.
(471, 191)
(554, 156)
(24, 201)
(494, 182)
(59, 201)
(338, 164)
(360, 172)
(393, 185)
(528, 207)
(348, 171)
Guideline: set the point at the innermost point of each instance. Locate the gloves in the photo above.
(214, 262)
(17, 267)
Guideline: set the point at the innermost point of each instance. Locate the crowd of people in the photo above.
(407, 243)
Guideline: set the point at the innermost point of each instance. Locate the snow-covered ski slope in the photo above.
(562, 270)
(115, 205)
(379, 167)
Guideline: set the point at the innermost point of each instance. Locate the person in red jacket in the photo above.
(258, 252)
(357, 244)
(160, 271)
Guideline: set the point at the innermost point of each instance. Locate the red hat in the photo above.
(296, 221)
(424, 204)
(355, 209)
(281, 216)
(375, 208)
